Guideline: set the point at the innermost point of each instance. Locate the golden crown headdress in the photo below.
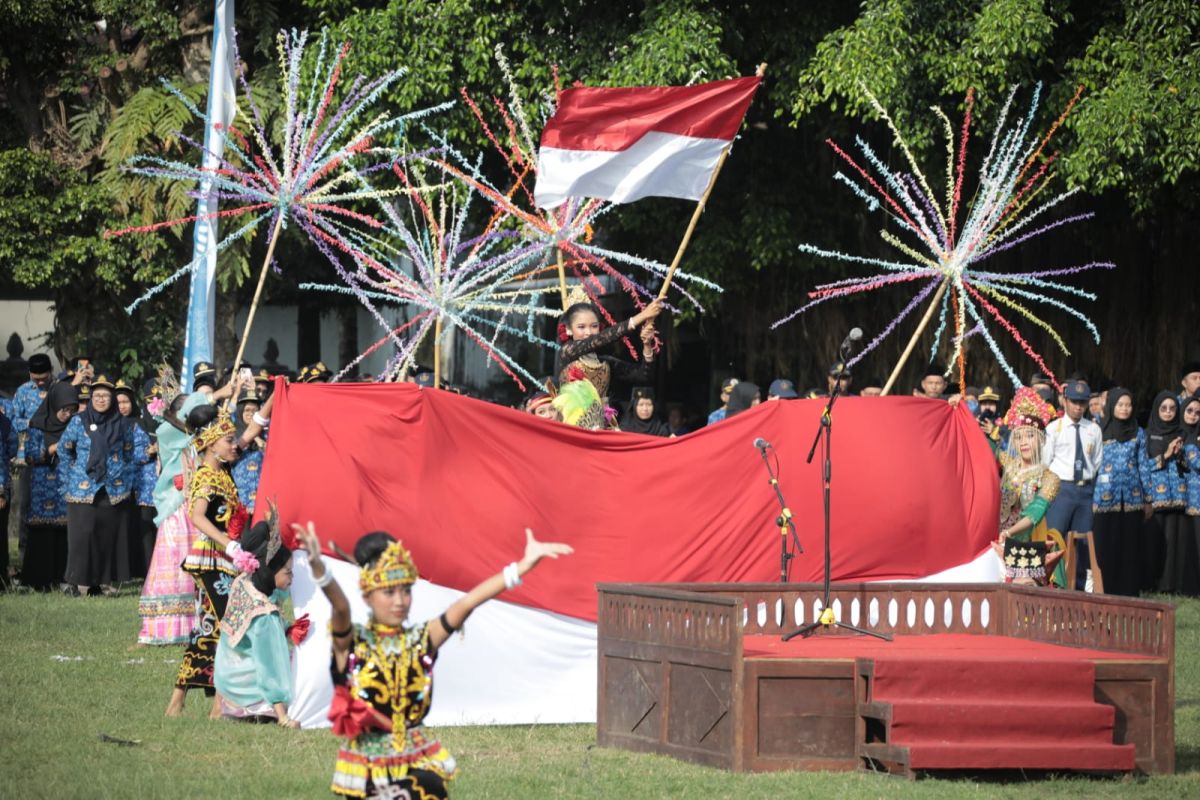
(394, 567)
(577, 295)
(1028, 409)
(219, 428)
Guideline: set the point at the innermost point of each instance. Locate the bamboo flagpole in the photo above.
(562, 279)
(687, 235)
(262, 279)
(937, 298)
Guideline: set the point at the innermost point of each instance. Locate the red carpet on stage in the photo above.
(957, 701)
(914, 489)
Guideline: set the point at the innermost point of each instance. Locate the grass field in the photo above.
(57, 709)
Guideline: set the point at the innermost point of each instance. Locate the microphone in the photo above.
(761, 443)
(851, 340)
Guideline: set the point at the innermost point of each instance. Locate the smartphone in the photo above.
(246, 374)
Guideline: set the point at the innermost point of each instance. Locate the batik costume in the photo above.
(1118, 502)
(95, 456)
(381, 698)
(1169, 551)
(1028, 491)
(46, 515)
(206, 561)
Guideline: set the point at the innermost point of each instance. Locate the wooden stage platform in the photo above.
(698, 672)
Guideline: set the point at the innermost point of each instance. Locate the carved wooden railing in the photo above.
(712, 616)
(669, 617)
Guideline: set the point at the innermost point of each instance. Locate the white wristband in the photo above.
(512, 576)
(324, 580)
(263, 422)
(232, 548)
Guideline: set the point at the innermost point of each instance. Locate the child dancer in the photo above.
(383, 671)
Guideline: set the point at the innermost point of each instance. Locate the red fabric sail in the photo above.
(914, 489)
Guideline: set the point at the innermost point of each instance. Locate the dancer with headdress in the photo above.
(253, 670)
(45, 559)
(383, 671)
(581, 336)
(219, 518)
(1027, 488)
(168, 602)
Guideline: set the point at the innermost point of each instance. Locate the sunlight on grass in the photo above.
(69, 673)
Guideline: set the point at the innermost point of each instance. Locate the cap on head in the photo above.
(782, 388)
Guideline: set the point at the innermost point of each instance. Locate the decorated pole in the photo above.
(937, 298)
(562, 279)
(687, 235)
(262, 279)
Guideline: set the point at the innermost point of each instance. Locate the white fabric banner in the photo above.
(656, 165)
(511, 665)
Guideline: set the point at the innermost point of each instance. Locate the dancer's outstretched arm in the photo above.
(340, 628)
(454, 616)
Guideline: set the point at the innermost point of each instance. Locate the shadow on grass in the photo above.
(1187, 759)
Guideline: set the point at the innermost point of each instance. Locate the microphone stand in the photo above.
(827, 619)
(784, 520)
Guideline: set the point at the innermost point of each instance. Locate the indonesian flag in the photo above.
(627, 143)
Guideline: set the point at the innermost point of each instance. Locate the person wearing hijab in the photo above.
(640, 417)
(96, 451)
(1117, 499)
(743, 397)
(138, 510)
(45, 559)
(1190, 418)
(1191, 456)
(1168, 567)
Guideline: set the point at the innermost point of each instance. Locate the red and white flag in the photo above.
(627, 143)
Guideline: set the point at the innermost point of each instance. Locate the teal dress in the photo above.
(171, 444)
(253, 668)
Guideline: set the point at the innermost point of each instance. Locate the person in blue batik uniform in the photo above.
(138, 510)
(8, 451)
(1117, 500)
(726, 390)
(1164, 484)
(95, 452)
(30, 395)
(46, 549)
(1191, 455)
(247, 472)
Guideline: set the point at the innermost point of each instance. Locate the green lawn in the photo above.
(56, 711)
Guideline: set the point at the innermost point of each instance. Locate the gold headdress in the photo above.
(577, 295)
(168, 384)
(217, 429)
(394, 568)
(1028, 409)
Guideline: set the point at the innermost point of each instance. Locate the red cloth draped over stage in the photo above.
(914, 489)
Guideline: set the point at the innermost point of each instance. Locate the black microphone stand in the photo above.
(784, 520)
(827, 619)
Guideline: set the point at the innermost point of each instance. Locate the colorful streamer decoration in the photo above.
(946, 241)
(317, 176)
(483, 285)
